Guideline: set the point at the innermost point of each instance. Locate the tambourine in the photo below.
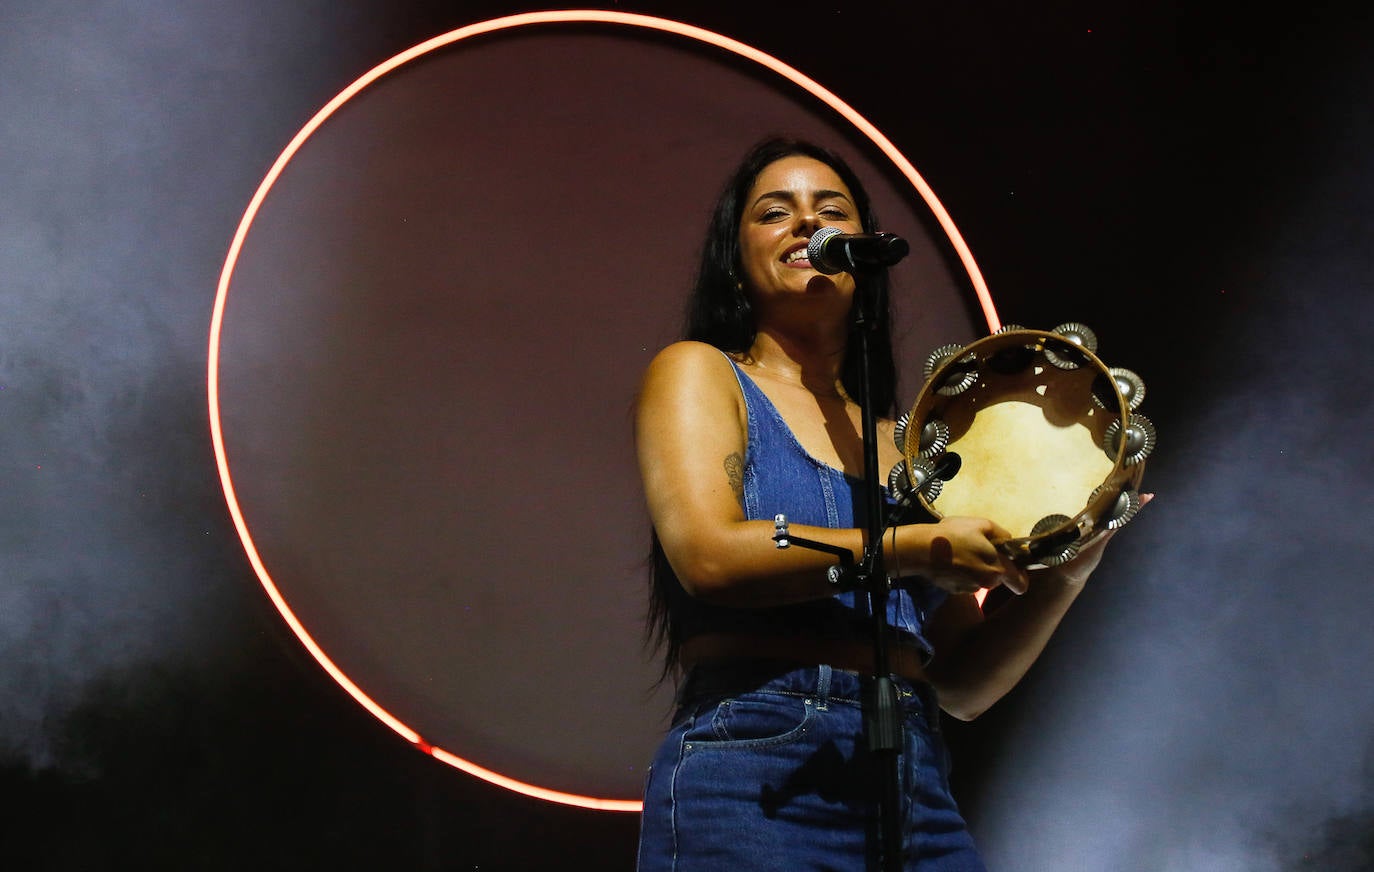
(1029, 429)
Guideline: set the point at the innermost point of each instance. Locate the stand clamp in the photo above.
(843, 576)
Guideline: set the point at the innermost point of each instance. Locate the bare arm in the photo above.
(978, 660)
(691, 435)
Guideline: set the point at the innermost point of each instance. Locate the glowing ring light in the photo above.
(510, 22)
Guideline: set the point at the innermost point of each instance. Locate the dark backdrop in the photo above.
(1195, 184)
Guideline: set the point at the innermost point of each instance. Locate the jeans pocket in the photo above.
(754, 719)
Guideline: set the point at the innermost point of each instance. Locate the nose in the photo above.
(808, 222)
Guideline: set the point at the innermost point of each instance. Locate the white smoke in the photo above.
(1212, 709)
(130, 137)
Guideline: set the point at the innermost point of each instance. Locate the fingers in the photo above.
(1010, 576)
(998, 569)
(1014, 577)
(997, 532)
(968, 557)
(1016, 580)
(975, 562)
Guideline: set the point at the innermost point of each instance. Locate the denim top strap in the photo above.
(780, 477)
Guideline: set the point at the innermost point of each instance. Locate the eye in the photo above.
(834, 213)
(773, 213)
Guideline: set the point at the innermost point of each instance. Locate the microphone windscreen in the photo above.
(816, 252)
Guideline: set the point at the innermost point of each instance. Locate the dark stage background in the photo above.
(1194, 183)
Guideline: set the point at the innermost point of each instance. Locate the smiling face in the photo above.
(791, 199)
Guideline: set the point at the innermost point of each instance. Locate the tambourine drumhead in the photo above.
(1031, 430)
(1029, 448)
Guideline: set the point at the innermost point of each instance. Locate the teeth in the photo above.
(799, 254)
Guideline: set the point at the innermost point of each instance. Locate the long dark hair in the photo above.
(719, 314)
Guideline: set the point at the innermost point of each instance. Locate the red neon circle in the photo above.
(509, 22)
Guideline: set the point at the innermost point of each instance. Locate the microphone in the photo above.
(831, 251)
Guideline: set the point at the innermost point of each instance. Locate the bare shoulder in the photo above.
(689, 392)
(688, 355)
(687, 367)
(689, 424)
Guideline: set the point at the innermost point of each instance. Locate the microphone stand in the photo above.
(882, 717)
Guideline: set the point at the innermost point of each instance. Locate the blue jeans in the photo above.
(766, 768)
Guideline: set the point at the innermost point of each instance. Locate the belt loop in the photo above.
(823, 674)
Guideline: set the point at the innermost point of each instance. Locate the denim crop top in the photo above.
(780, 477)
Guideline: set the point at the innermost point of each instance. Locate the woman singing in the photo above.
(765, 766)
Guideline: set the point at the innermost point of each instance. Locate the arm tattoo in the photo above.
(734, 468)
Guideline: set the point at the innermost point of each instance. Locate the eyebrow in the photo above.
(823, 194)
